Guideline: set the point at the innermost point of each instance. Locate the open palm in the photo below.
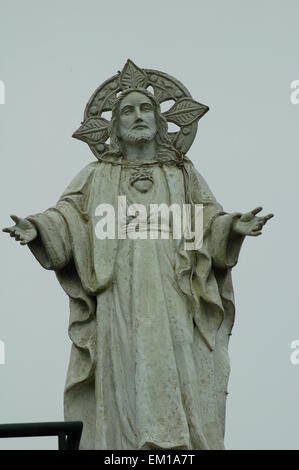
(23, 230)
(249, 224)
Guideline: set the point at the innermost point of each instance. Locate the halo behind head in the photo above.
(185, 112)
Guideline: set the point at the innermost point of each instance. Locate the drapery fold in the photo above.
(84, 266)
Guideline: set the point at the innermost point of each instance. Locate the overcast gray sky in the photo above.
(237, 57)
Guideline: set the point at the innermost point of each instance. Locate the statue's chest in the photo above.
(144, 186)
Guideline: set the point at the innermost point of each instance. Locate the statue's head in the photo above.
(137, 118)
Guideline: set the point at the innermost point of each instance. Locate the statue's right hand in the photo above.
(23, 230)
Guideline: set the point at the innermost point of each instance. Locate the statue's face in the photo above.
(136, 120)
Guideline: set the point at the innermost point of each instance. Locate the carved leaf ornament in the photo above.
(185, 112)
(93, 131)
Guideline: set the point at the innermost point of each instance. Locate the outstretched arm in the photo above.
(47, 237)
(48, 234)
(229, 232)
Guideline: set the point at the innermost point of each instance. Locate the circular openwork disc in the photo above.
(185, 112)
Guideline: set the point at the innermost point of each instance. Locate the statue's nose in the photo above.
(137, 113)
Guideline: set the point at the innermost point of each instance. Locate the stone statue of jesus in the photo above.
(149, 321)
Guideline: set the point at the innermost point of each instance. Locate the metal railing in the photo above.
(68, 432)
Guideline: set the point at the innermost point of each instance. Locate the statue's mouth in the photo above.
(140, 126)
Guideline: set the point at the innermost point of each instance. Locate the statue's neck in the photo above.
(140, 151)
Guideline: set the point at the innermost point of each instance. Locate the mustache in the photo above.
(139, 124)
(139, 138)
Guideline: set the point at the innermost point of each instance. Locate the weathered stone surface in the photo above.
(149, 320)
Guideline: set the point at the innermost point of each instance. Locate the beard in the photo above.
(136, 136)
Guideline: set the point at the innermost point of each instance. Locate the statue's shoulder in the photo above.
(189, 164)
(193, 172)
(83, 178)
(199, 186)
(87, 171)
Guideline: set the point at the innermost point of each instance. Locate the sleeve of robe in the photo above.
(55, 250)
(224, 248)
(212, 284)
(53, 246)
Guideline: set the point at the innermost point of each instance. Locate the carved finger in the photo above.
(255, 234)
(17, 236)
(15, 218)
(267, 217)
(12, 232)
(6, 229)
(256, 210)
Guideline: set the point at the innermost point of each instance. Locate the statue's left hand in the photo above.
(250, 224)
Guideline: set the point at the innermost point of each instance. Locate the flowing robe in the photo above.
(149, 321)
